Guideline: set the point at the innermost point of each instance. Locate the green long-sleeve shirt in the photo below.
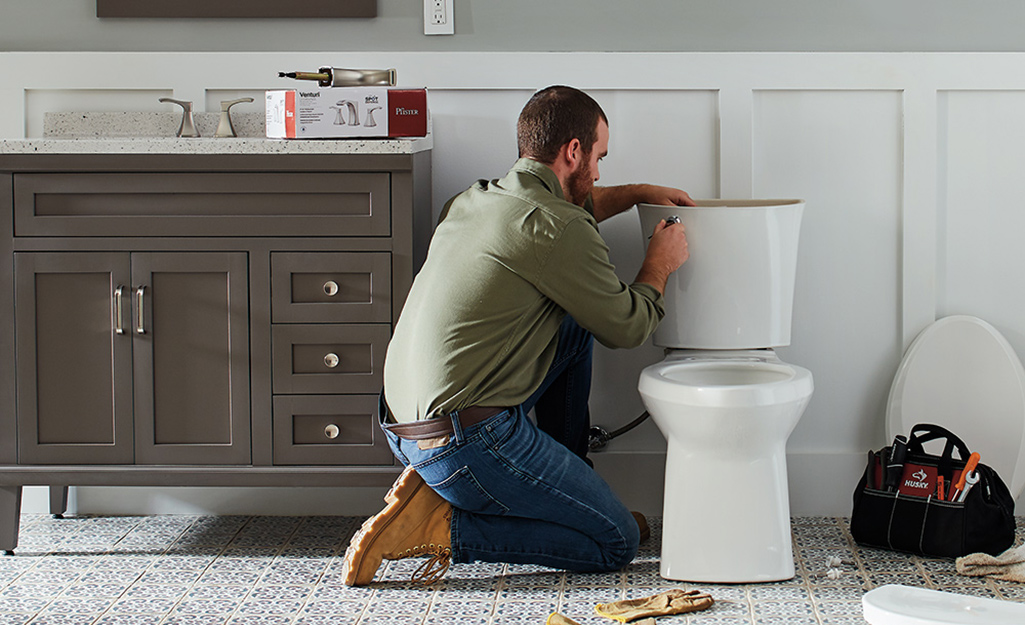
(509, 259)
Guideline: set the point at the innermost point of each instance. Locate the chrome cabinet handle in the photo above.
(331, 360)
(119, 327)
(331, 431)
(331, 288)
(140, 294)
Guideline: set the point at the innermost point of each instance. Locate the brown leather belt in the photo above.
(440, 426)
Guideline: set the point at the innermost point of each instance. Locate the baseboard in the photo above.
(820, 484)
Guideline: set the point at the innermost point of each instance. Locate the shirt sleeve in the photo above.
(578, 276)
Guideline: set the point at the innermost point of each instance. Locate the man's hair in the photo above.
(555, 116)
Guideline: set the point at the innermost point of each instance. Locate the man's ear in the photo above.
(571, 154)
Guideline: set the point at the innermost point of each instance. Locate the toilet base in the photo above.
(726, 521)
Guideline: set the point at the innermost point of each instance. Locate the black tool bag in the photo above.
(902, 509)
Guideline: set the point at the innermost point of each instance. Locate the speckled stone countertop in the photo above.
(153, 133)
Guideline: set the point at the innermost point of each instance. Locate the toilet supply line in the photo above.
(598, 437)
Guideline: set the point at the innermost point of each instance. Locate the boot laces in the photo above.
(432, 569)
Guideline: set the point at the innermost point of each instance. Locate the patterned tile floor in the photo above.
(206, 570)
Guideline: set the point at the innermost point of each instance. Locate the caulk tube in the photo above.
(341, 77)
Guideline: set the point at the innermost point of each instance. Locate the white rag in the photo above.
(1008, 566)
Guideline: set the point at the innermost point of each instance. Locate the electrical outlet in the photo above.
(439, 18)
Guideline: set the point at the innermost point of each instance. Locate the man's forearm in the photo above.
(611, 201)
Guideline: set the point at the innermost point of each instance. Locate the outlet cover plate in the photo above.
(439, 17)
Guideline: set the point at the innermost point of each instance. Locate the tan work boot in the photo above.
(416, 522)
(642, 525)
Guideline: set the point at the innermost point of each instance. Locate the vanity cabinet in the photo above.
(132, 358)
(184, 319)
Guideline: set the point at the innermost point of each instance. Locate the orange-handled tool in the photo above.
(973, 461)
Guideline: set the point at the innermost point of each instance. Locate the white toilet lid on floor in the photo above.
(962, 374)
(906, 605)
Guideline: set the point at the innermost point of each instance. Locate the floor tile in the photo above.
(242, 570)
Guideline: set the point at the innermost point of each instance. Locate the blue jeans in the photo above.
(524, 496)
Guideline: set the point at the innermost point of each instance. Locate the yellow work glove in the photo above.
(557, 619)
(669, 602)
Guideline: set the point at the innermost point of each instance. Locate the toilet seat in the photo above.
(960, 373)
(726, 379)
(907, 605)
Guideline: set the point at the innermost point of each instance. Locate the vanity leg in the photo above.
(58, 501)
(10, 516)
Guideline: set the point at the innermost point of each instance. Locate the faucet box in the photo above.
(346, 112)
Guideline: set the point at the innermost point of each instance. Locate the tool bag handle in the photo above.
(925, 432)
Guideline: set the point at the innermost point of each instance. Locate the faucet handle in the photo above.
(187, 127)
(224, 126)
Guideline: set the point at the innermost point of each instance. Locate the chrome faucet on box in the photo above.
(346, 112)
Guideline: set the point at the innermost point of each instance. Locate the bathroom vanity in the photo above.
(204, 312)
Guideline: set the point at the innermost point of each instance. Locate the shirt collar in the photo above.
(550, 181)
(543, 173)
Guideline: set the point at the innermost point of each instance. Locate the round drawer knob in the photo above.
(331, 431)
(331, 360)
(331, 288)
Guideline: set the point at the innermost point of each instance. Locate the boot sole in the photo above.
(360, 567)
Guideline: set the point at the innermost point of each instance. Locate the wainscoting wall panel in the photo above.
(910, 165)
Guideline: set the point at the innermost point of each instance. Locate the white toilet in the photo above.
(722, 398)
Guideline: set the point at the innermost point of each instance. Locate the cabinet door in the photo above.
(74, 368)
(191, 358)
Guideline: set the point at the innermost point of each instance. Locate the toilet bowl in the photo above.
(905, 605)
(722, 397)
(726, 416)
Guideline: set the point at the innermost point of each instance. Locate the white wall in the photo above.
(543, 25)
(910, 165)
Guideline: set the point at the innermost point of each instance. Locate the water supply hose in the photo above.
(598, 437)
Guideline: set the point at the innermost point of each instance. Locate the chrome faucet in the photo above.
(224, 126)
(353, 111)
(187, 127)
(371, 122)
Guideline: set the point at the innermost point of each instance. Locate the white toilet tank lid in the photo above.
(962, 374)
(906, 605)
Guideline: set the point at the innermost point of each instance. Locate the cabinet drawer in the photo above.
(329, 430)
(202, 204)
(329, 358)
(331, 287)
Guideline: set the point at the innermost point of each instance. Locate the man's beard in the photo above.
(580, 183)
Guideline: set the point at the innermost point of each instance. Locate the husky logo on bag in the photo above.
(920, 482)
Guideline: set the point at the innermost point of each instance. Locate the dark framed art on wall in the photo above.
(236, 8)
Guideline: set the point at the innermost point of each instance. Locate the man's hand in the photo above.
(667, 251)
(667, 196)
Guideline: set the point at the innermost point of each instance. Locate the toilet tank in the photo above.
(737, 289)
